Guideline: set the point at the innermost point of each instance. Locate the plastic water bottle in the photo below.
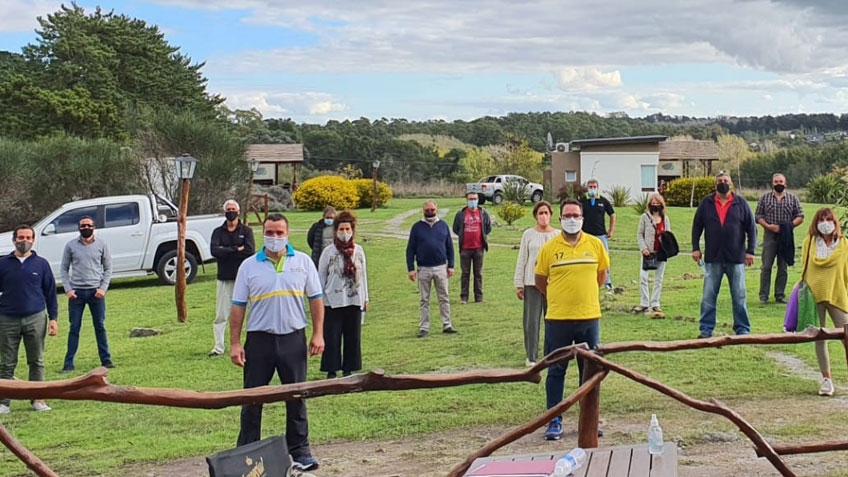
(570, 462)
(655, 436)
(701, 264)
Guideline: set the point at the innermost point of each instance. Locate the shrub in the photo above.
(826, 189)
(509, 212)
(641, 205)
(319, 192)
(513, 191)
(619, 195)
(365, 189)
(571, 190)
(679, 191)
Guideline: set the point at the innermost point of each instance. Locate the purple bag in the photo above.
(790, 320)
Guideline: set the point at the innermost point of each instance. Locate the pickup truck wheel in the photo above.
(497, 198)
(166, 268)
(536, 197)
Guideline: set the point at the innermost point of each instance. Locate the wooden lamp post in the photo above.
(374, 171)
(185, 171)
(254, 166)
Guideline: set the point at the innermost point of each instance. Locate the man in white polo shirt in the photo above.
(271, 286)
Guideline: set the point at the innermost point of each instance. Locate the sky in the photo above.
(317, 60)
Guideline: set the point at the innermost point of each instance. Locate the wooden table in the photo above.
(623, 461)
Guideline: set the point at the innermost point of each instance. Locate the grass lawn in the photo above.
(92, 438)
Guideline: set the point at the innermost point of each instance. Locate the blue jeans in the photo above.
(713, 273)
(606, 246)
(559, 333)
(97, 306)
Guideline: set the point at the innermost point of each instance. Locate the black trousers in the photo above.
(265, 353)
(467, 258)
(342, 339)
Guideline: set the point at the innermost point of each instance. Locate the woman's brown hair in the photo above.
(540, 204)
(345, 216)
(824, 213)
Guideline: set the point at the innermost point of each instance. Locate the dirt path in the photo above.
(709, 450)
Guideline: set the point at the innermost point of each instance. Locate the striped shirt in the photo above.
(275, 299)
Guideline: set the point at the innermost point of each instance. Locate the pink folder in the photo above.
(514, 468)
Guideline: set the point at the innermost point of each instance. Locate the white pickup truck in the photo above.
(141, 231)
(492, 188)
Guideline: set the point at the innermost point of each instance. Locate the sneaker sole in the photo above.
(553, 438)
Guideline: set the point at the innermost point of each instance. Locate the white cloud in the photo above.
(277, 104)
(21, 15)
(586, 78)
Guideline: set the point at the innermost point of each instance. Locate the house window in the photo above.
(649, 178)
(570, 176)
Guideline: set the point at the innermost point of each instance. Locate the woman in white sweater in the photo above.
(652, 223)
(345, 282)
(535, 305)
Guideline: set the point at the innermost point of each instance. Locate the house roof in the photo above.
(275, 152)
(688, 150)
(607, 141)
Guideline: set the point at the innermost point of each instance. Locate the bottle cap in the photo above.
(654, 420)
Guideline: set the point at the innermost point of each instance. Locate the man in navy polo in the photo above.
(270, 286)
(28, 299)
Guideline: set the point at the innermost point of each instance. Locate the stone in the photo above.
(144, 332)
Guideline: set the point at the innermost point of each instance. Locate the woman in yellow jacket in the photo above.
(825, 253)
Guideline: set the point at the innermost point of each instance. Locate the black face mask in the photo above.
(655, 208)
(722, 188)
(429, 215)
(86, 233)
(779, 188)
(231, 216)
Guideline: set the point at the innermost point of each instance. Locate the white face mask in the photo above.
(826, 228)
(344, 236)
(276, 244)
(571, 226)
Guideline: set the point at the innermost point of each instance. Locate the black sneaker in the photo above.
(108, 364)
(449, 330)
(422, 333)
(331, 375)
(67, 369)
(702, 336)
(780, 300)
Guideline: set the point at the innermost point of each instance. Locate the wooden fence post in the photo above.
(590, 409)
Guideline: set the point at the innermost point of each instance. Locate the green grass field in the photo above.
(92, 438)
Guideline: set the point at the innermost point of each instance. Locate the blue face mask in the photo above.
(593, 192)
(472, 204)
(328, 222)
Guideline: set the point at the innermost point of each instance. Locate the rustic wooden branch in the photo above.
(715, 407)
(590, 410)
(807, 448)
(25, 455)
(518, 432)
(810, 334)
(95, 387)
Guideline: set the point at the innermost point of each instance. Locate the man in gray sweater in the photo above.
(86, 272)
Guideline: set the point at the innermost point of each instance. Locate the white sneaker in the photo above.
(4, 409)
(826, 388)
(40, 406)
(529, 363)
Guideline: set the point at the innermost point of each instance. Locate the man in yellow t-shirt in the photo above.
(570, 269)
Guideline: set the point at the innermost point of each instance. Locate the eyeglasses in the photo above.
(86, 226)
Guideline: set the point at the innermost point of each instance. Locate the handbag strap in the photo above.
(807, 257)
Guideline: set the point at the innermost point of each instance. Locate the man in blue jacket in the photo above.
(28, 299)
(431, 247)
(730, 236)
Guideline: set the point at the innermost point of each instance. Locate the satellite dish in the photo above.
(550, 144)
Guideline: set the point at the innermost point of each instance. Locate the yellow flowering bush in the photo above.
(365, 189)
(321, 191)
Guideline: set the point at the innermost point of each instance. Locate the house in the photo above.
(270, 156)
(636, 162)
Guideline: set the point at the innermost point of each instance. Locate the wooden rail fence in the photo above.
(94, 386)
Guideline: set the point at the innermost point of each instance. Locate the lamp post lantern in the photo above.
(374, 171)
(185, 166)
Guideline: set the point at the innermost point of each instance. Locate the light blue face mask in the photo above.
(472, 204)
(276, 244)
(328, 222)
(593, 192)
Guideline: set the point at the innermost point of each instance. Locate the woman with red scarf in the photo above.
(345, 282)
